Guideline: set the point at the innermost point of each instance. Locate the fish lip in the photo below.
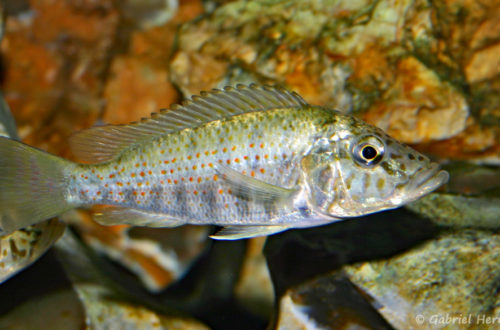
(429, 179)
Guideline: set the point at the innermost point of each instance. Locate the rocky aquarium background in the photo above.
(428, 72)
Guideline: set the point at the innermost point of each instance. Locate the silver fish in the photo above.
(255, 159)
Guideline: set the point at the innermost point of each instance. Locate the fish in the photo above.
(21, 248)
(255, 160)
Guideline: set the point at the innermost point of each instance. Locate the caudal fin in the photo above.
(32, 186)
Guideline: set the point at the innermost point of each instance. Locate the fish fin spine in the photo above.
(105, 143)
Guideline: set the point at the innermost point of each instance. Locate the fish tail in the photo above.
(33, 187)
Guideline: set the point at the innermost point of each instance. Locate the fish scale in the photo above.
(256, 159)
(176, 174)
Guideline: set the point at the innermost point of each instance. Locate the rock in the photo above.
(157, 256)
(23, 247)
(434, 279)
(139, 83)
(351, 56)
(106, 308)
(328, 302)
(254, 289)
(56, 55)
(471, 199)
(296, 256)
(484, 64)
(40, 297)
(56, 310)
(149, 13)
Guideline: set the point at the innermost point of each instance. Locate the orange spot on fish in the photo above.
(163, 172)
(119, 184)
(233, 148)
(172, 171)
(202, 165)
(111, 193)
(111, 176)
(206, 153)
(98, 193)
(116, 168)
(195, 192)
(224, 149)
(182, 179)
(245, 157)
(244, 172)
(236, 160)
(226, 206)
(199, 180)
(214, 152)
(210, 165)
(191, 179)
(198, 155)
(143, 193)
(147, 183)
(228, 161)
(266, 156)
(139, 184)
(137, 165)
(215, 177)
(169, 181)
(86, 177)
(144, 164)
(134, 193)
(189, 157)
(251, 145)
(120, 193)
(142, 174)
(257, 157)
(150, 172)
(194, 167)
(221, 191)
(175, 181)
(106, 185)
(252, 173)
(262, 145)
(162, 151)
(166, 162)
(262, 171)
(174, 160)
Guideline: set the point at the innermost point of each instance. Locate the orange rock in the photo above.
(419, 107)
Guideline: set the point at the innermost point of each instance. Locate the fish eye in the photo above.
(368, 151)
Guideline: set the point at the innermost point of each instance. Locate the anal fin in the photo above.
(120, 215)
(240, 232)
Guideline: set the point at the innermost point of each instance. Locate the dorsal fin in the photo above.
(105, 143)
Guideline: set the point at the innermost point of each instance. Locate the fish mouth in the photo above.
(427, 180)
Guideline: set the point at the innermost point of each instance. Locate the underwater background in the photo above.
(427, 72)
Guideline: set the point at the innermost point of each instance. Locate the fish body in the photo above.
(257, 160)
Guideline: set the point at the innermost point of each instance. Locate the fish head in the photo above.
(359, 169)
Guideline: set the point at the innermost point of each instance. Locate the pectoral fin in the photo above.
(119, 216)
(251, 188)
(239, 232)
